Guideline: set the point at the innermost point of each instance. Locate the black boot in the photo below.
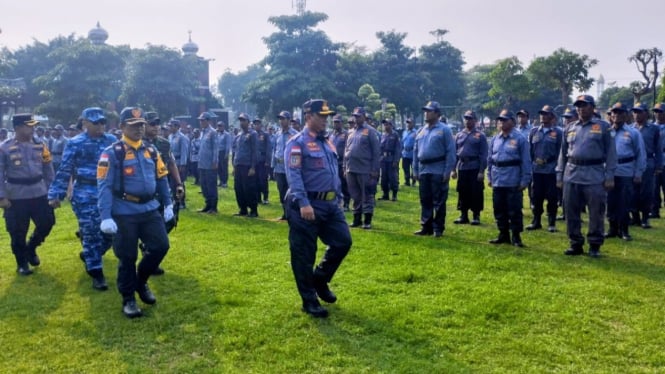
(635, 220)
(623, 233)
(535, 223)
(594, 250)
(22, 266)
(368, 221)
(551, 223)
(463, 219)
(394, 196)
(645, 221)
(385, 196)
(517, 239)
(322, 289)
(504, 237)
(476, 219)
(574, 250)
(357, 220)
(98, 279)
(614, 230)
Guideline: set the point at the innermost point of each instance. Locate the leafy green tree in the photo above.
(159, 78)
(508, 84)
(613, 95)
(232, 86)
(300, 64)
(83, 75)
(563, 70)
(354, 68)
(440, 65)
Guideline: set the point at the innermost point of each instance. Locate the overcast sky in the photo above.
(229, 32)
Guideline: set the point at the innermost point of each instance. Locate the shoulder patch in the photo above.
(295, 157)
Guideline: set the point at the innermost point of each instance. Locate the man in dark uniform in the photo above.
(208, 161)
(176, 187)
(79, 162)
(262, 162)
(180, 150)
(585, 170)
(25, 174)
(433, 162)
(361, 167)
(631, 162)
(225, 140)
(471, 150)
(132, 183)
(338, 139)
(509, 174)
(659, 114)
(391, 149)
(314, 201)
(408, 140)
(545, 145)
(277, 162)
(644, 191)
(569, 116)
(245, 154)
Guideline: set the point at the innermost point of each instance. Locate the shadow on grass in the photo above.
(179, 322)
(32, 298)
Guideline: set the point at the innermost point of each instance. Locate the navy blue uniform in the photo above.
(545, 145)
(471, 151)
(339, 141)
(312, 166)
(262, 164)
(391, 149)
(643, 197)
(245, 154)
(408, 141)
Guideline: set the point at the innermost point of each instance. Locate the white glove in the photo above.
(168, 213)
(108, 226)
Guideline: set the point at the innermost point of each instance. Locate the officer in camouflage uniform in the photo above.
(25, 174)
(79, 162)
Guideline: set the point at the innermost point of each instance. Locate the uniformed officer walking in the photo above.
(586, 166)
(645, 190)
(245, 154)
(79, 161)
(433, 162)
(408, 140)
(277, 159)
(131, 177)
(471, 150)
(508, 173)
(545, 145)
(25, 174)
(631, 163)
(314, 200)
(361, 166)
(338, 139)
(391, 149)
(208, 161)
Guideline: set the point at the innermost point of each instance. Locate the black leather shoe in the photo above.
(314, 309)
(100, 284)
(367, 226)
(501, 239)
(24, 270)
(385, 197)
(34, 260)
(611, 234)
(240, 214)
(534, 226)
(423, 232)
(438, 234)
(476, 220)
(323, 291)
(645, 225)
(253, 215)
(461, 221)
(626, 236)
(131, 310)
(204, 210)
(145, 294)
(551, 228)
(573, 252)
(158, 271)
(594, 252)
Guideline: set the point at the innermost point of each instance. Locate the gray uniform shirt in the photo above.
(363, 151)
(588, 153)
(20, 164)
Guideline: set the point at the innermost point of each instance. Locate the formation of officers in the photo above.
(126, 189)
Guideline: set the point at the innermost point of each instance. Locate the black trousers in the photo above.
(261, 180)
(389, 180)
(245, 189)
(345, 185)
(643, 197)
(330, 226)
(406, 169)
(618, 202)
(507, 205)
(150, 229)
(223, 168)
(544, 189)
(17, 222)
(659, 191)
(282, 186)
(433, 197)
(470, 191)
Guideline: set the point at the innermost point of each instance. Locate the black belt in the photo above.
(469, 159)
(134, 199)
(625, 160)
(86, 181)
(432, 160)
(24, 181)
(502, 164)
(325, 195)
(540, 161)
(590, 162)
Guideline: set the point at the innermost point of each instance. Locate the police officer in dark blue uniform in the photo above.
(277, 162)
(79, 161)
(338, 139)
(659, 114)
(25, 174)
(315, 199)
(245, 154)
(131, 177)
(391, 149)
(645, 190)
(262, 162)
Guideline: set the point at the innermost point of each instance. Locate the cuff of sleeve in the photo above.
(303, 202)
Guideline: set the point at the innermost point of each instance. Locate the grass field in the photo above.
(228, 302)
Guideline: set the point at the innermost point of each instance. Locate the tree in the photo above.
(508, 84)
(300, 65)
(643, 58)
(159, 78)
(354, 68)
(563, 70)
(83, 75)
(232, 86)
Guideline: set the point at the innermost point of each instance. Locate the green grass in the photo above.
(407, 304)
